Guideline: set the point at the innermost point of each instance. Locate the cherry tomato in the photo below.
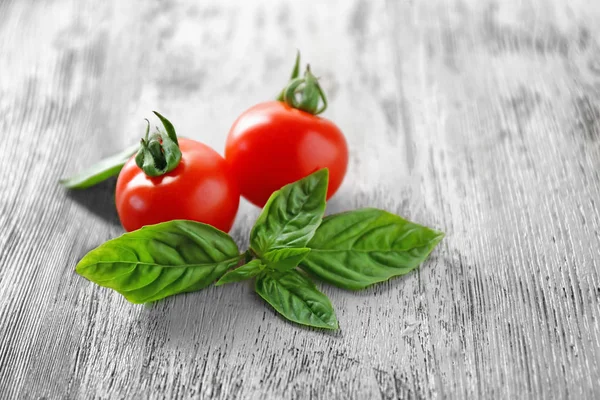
(272, 144)
(201, 188)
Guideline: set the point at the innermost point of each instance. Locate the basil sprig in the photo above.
(351, 250)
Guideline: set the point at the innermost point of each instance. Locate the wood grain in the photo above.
(479, 118)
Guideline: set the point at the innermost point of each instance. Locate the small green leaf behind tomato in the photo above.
(101, 171)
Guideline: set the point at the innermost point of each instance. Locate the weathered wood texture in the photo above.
(479, 118)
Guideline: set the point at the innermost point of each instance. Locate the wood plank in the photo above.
(476, 117)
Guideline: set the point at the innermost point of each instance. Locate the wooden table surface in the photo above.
(480, 118)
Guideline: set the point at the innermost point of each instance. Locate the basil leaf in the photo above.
(285, 259)
(242, 273)
(161, 260)
(295, 297)
(355, 249)
(291, 215)
(100, 171)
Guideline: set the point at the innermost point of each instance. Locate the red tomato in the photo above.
(201, 188)
(273, 144)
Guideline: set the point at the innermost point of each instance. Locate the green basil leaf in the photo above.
(295, 297)
(291, 215)
(161, 260)
(355, 249)
(100, 171)
(285, 259)
(246, 271)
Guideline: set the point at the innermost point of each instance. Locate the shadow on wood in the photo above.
(98, 199)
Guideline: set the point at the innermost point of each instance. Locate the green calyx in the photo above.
(304, 93)
(159, 152)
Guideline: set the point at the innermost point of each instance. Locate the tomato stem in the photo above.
(294, 75)
(159, 153)
(168, 127)
(304, 93)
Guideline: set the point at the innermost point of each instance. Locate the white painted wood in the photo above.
(478, 118)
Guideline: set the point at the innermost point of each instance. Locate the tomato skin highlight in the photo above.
(201, 188)
(272, 144)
